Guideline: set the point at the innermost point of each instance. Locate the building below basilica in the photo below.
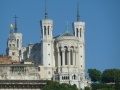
(20, 75)
(22, 84)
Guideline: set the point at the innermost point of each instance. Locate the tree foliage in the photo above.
(53, 85)
(87, 88)
(117, 85)
(94, 74)
(102, 86)
(110, 79)
(110, 75)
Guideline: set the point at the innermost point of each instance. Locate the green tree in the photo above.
(53, 85)
(117, 86)
(107, 89)
(94, 74)
(110, 75)
(87, 88)
(102, 86)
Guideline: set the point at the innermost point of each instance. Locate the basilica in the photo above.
(62, 57)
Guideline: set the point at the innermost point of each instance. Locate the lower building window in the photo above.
(13, 53)
(38, 68)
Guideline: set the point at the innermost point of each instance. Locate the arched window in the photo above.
(66, 55)
(66, 78)
(75, 85)
(74, 77)
(48, 29)
(71, 57)
(77, 31)
(17, 42)
(44, 30)
(38, 68)
(62, 78)
(60, 55)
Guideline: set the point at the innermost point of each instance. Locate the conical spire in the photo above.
(78, 15)
(16, 24)
(46, 13)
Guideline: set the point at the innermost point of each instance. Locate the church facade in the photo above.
(63, 56)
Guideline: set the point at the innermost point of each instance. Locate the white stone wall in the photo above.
(21, 72)
(47, 47)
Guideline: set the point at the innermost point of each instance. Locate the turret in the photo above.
(46, 26)
(14, 42)
(78, 27)
(47, 56)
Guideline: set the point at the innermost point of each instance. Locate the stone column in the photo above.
(73, 58)
(59, 63)
(78, 32)
(63, 56)
(68, 61)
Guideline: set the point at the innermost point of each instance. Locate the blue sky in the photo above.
(102, 25)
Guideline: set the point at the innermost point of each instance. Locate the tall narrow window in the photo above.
(61, 57)
(80, 31)
(75, 58)
(48, 29)
(17, 42)
(38, 68)
(13, 53)
(66, 55)
(77, 31)
(44, 30)
(71, 57)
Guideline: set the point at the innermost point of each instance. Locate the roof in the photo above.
(67, 33)
(11, 36)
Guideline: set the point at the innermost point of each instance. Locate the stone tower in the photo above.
(47, 56)
(14, 42)
(78, 31)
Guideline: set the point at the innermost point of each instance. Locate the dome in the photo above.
(67, 33)
(11, 36)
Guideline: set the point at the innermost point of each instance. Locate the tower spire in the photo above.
(66, 26)
(78, 15)
(16, 24)
(66, 31)
(46, 13)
